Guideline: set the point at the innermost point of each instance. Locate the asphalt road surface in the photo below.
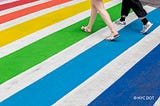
(155, 3)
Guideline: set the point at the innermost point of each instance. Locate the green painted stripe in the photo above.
(41, 50)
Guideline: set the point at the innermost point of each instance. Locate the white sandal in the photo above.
(112, 37)
(85, 29)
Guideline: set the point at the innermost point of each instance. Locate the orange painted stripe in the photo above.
(14, 4)
(29, 10)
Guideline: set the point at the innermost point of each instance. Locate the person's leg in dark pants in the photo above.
(125, 9)
(137, 7)
(141, 14)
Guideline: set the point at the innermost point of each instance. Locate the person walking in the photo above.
(98, 6)
(138, 9)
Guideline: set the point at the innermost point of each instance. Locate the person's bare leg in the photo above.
(105, 16)
(92, 17)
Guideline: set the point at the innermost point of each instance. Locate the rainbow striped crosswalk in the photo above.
(45, 58)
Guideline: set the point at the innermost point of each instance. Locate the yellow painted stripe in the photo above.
(16, 32)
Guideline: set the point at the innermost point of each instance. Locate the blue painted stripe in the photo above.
(61, 81)
(140, 86)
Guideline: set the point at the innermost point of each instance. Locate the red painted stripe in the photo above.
(29, 10)
(14, 4)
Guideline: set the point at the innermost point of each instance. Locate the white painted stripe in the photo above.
(20, 43)
(10, 10)
(107, 76)
(35, 73)
(7, 1)
(36, 14)
(157, 102)
(14, 85)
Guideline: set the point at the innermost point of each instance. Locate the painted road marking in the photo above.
(105, 77)
(34, 14)
(18, 14)
(157, 102)
(48, 41)
(6, 1)
(14, 4)
(7, 11)
(20, 43)
(108, 75)
(138, 87)
(31, 75)
(104, 51)
(11, 34)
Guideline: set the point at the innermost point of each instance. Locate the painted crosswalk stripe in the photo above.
(157, 102)
(15, 18)
(12, 17)
(105, 77)
(6, 1)
(14, 4)
(11, 34)
(109, 74)
(38, 51)
(7, 11)
(139, 85)
(102, 53)
(58, 60)
(5, 50)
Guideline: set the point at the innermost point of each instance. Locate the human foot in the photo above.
(112, 37)
(86, 29)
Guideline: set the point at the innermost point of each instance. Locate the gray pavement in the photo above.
(154, 3)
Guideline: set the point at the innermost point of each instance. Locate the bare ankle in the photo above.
(114, 32)
(88, 27)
